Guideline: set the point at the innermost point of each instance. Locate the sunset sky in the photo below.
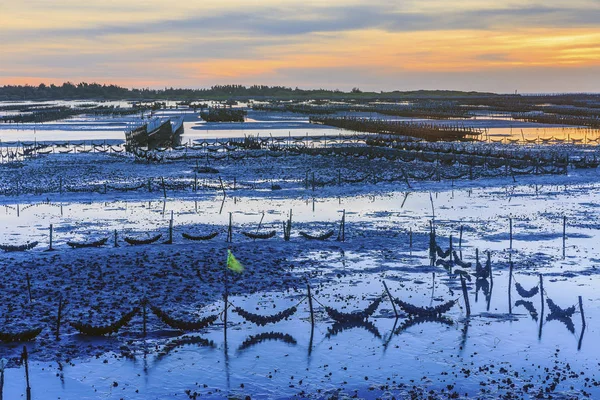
(500, 46)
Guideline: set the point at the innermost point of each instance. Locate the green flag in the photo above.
(232, 263)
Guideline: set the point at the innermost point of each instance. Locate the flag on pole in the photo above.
(232, 263)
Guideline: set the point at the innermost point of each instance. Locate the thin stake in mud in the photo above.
(564, 235)
(582, 323)
(230, 230)
(222, 187)
(25, 359)
(59, 316)
(342, 231)
(312, 318)
(144, 316)
(391, 299)
(432, 207)
(28, 278)
(542, 310)
(116, 239)
(510, 276)
(260, 223)
(510, 234)
(465, 295)
(460, 240)
(171, 229)
(50, 248)
(2, 366)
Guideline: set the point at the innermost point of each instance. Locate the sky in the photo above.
(483, 45)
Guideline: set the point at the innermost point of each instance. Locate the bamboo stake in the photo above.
(28, 286)
(230, 230)
(564, 235)
(50, 248)
(59, 317)
(391, 298)
(510, 275)
(2, 366)
(542, 305)
(583, 325)
(25, 359)
(465, 295)
(510, 223)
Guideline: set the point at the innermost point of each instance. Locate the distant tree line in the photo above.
(96, 91)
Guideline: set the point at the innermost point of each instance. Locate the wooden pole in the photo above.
(564, 235)
(391, 298)
(1, 378)
(542, 305)
(222, 187)
(310, 306)
(144, 316)
(116, 240)
(25, 357)
(510, 235)
(581, 311)
(582, 325)
(171, 228)
(230, 230)
(410, 238)
(28, 286)
(510, 275)
(226, 301)
(460, 239)
(50, 248)
(465, 295)
(488, 265)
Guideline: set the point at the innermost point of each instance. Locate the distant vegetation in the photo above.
(68, 91)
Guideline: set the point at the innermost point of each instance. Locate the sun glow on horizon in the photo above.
(378, 46)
